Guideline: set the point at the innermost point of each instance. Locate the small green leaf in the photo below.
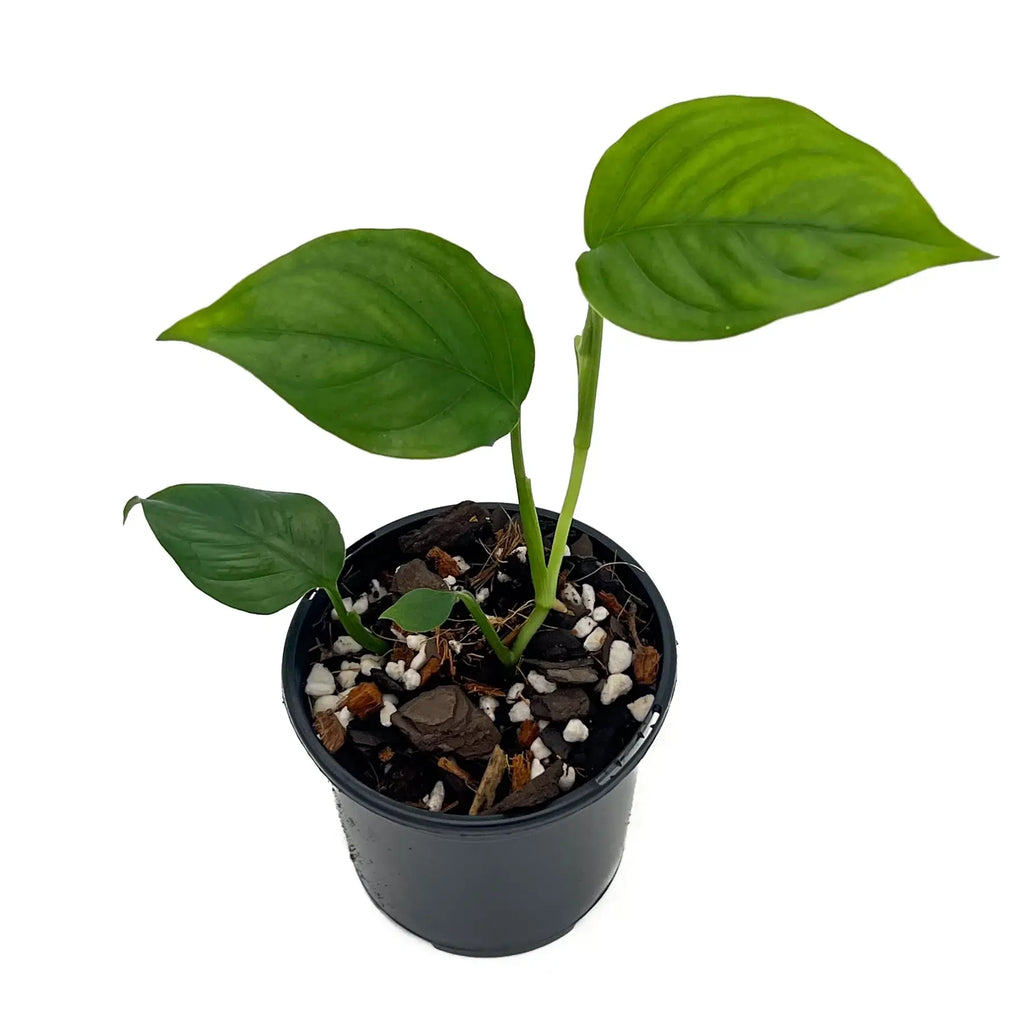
(717, 216)
(422, 609)
(259, 551)
(397, 341)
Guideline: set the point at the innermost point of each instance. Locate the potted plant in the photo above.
(479, 682)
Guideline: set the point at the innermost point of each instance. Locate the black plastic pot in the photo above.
(483, 886)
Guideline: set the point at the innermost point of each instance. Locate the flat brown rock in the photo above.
(561, 705)
(536, 791)
(416, 574)
(446, 720)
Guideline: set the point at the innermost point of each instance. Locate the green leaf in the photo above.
(421, 609)
(259, 551)
(716, 216)
(396, 341)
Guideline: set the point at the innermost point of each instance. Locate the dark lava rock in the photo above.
(554, 741)
(409, 777)
(555, 645)
(417, 574)
(561, 705)
(445, 719)
(365, 738)
(458, 528)
(536, 791)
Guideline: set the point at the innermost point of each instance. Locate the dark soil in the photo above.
(439, 732)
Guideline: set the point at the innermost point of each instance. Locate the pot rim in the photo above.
(297, 706)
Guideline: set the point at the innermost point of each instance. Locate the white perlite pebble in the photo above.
(346, 645)
(420, 659)
(376, 590)
(641, 707)
(584, 627)
(520, 552)
(488, 705)
(566, 551)
(515, 691)
(503, 577)
(539, 749)
(395, 670)
(368, 662)
(385, 714)
(334, 615)
(389, 698)
(411, 679)
(520, 712)
(451, 582)
(319, 682)
(482, 594)
(347, 679)
(589, 597)
(536, 768)
(568, 779)
(615, 686)
(455, 646)
(542, 724)
(461, 563)
(570, 595)
(326, 703)
(595, 641)
(349, 666)
(575, 731)
(599, 614)
(434, 800)
(620, 656)
(360, 604)
(344, 716)
(541, 683)
(414, 641)
(346, 603)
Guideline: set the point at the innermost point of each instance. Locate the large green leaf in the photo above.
(259, 551)
(394, 340)
(421, 609)
(716, 216)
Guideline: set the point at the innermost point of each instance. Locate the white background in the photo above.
(830, 826)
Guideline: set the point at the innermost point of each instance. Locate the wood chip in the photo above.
(451, 766)
(610, 601)
(645, 664)
(481, 689)
(520, 769)
(432, 667)
(330, 730)
(362, 700)
(443, 563)
(528, 732)
(488, 787)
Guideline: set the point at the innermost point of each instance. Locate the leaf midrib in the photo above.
(743, 222)
(388, 347)
(272, 544)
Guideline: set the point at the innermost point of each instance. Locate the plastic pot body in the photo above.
(458, 881)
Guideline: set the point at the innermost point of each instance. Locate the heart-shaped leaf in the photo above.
(421, 609)
(716, 216)
(394, 340)
(259, 551)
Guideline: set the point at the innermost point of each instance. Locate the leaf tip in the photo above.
(132, 502)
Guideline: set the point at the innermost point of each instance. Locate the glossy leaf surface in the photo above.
(421, 610)
(259, 551)
(394, 340)
(717, 216)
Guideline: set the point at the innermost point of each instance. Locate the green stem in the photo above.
(588, 365)
(355, 629)
(528, 513)
(489, 632)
